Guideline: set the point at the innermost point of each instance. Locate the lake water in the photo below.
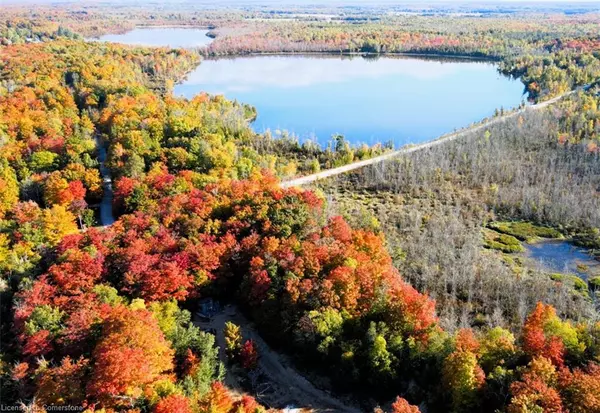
(160, 37)
(403, 99)
(562, 257)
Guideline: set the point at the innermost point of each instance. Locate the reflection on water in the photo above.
(404, 99)
(254, 73)
(161, 36)
(563, 257)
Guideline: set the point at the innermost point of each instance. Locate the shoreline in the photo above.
(439, 58)
(591, 263)
(432, 56)
(307, 53)
(172, 26)
(408, 146)
(162, 26)
(448, 137)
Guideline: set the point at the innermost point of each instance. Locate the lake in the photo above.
(176, 37)
(368, 100)
(562, 257)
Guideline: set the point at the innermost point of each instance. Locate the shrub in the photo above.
(505, 243)
(594, 283)
(525, 231)
(578, 284)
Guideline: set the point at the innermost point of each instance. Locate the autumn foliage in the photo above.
(97, 315)
(545, 335)
(132, 354)
(249, 355)
(537, 389)
(173, 404)
(265, 244)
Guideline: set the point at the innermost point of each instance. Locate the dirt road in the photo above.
(406, 150)
(106, 212)
(287, 387)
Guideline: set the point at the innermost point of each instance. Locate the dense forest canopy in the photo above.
(418, 297)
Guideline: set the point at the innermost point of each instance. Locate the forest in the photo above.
(399, 286)
(550, 52)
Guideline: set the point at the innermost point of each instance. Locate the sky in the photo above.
(587, 5)
(311, 2)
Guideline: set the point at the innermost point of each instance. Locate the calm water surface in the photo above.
(563, 257)
(403, 99)
(160, 37)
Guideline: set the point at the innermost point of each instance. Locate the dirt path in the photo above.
(106, 213)
(287, 387)
(443, 139)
